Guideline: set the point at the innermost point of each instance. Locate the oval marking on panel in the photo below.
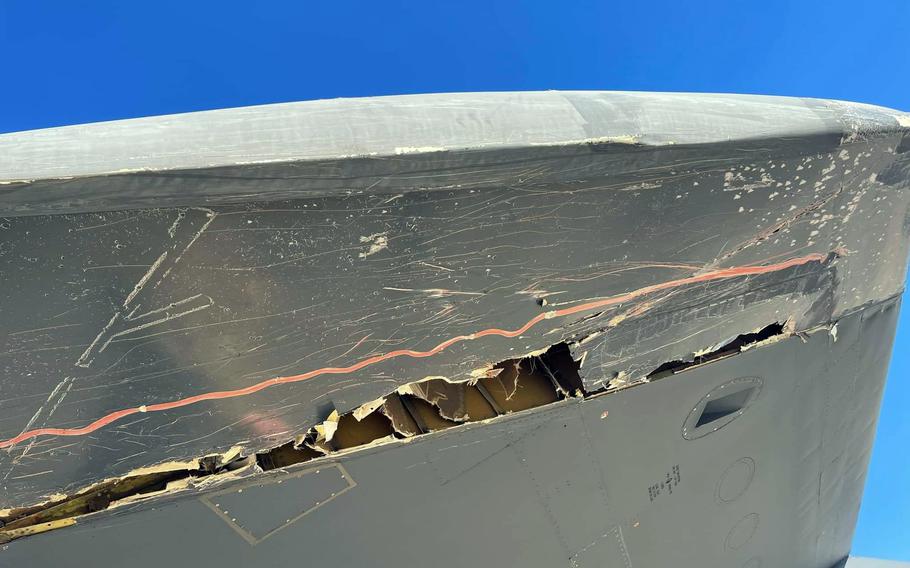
(754, 562)
(742, 532)
(735, 480)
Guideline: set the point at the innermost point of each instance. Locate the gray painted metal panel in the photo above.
(566, 485)
(157, 302)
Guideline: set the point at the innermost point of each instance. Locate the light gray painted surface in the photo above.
(389, 126)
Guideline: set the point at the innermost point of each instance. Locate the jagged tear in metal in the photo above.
(334, 294)
(417, 408)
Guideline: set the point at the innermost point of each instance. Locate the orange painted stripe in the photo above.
(721, 274)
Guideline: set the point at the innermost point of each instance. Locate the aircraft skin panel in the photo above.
(189, 300)
(607, 481)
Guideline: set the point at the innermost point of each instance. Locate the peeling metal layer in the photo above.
(413, 409)
(221, 280)
(528, 384)
(582, 483)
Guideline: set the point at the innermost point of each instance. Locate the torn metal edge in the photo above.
(537, 380)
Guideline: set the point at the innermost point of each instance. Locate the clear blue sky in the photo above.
(68, 62)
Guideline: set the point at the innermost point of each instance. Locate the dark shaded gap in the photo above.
(403, 420)
(519, 385)
(425, 414)
(18, 522)
(285, 455)
(563, 368)
(352, 432)
(412, 410)
(724, 406)
(733, 347)
(458, 402)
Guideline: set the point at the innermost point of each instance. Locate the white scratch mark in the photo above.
(435, 292)
(378, 242)
(85, 359)
(417, 149)
(144, 280)
(159, 321)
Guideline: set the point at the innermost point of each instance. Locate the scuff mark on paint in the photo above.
(377, 242)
